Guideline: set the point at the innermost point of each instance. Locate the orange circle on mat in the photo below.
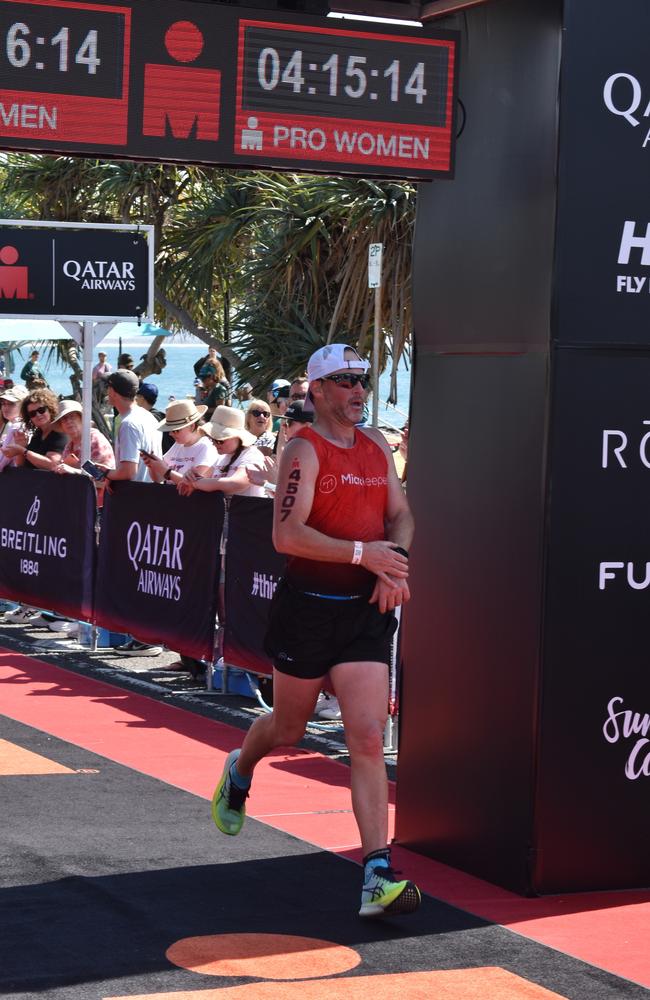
(265, 956)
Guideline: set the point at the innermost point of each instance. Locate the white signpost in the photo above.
(375, 251)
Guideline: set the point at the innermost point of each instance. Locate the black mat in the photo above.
(101, 872)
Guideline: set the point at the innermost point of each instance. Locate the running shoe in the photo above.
(383, 895)
(65, 628)
(23, 616)
(228, 801)
(135, 648)
(327, 707)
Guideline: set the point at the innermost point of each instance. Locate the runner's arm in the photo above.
(390, 594)
(400, 526)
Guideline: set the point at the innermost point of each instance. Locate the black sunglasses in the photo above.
(348, 381)
(39, 412)
(259, 413)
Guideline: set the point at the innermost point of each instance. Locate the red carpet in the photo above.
(185, 750)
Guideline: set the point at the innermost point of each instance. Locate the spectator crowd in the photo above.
(215, 439)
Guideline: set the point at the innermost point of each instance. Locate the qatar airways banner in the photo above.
(158, 566)
(253, 571)
(47, 541)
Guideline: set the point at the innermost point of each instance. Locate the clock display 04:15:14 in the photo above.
(350, 79)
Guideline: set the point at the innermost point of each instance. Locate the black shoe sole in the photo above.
(407, 902)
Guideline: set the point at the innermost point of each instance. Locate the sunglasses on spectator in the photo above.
(260, 413)
(38, 412)
(348, 381)
(298, 395)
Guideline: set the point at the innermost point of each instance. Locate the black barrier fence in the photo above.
(253, 570)
(156, 572)
(47, 541)
(159, 566)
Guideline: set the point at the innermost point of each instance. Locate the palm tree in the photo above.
(267, 266)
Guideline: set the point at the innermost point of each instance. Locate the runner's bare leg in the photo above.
(294, 700)
(362, 691)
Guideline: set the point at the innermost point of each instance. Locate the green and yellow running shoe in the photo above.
(228, 801)
(382, 895)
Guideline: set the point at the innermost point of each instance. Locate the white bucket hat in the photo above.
(227, 423)
(181, 413)
(66, 406)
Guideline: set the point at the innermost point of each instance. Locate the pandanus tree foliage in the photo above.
(266, 266)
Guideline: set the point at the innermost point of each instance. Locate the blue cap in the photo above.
(148, 391)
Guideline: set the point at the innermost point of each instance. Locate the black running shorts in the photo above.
(307, 635)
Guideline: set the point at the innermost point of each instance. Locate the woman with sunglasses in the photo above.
(258, 422)
(44, 448)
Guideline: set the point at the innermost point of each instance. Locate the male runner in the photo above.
(342, 518)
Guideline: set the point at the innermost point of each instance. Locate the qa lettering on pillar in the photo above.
(626, 97)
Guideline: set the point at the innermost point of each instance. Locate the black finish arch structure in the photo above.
(525, 732)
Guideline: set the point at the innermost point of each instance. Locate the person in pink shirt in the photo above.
(68, 420)
(103, 368)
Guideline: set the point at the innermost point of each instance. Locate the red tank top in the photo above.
(350, 501)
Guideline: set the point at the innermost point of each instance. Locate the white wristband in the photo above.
(357, 555)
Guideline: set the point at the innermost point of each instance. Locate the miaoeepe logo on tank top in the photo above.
(328, 484)
(349, 479)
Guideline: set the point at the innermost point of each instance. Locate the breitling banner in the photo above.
(47, 541)
(158, 566)
(253, 570)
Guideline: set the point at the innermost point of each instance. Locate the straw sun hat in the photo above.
(228, 423)
(181, 414)
(66, 406)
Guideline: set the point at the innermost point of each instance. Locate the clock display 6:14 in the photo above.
(19, 48)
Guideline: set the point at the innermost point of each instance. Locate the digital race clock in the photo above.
(324, 93)
(197, 82)
(68, 65)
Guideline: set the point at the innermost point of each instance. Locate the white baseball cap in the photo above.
(331, 358)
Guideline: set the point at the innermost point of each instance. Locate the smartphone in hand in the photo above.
(94, 470)
(147, 454)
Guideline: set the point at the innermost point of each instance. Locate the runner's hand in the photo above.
(387, 596)
(382, 559)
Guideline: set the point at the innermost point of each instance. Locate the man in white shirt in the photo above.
(138, 431)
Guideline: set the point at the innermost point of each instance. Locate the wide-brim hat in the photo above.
(227, 423)
(14, 394)
(66, 406)
(181, 413)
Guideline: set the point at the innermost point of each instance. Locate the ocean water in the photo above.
(178, 377)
